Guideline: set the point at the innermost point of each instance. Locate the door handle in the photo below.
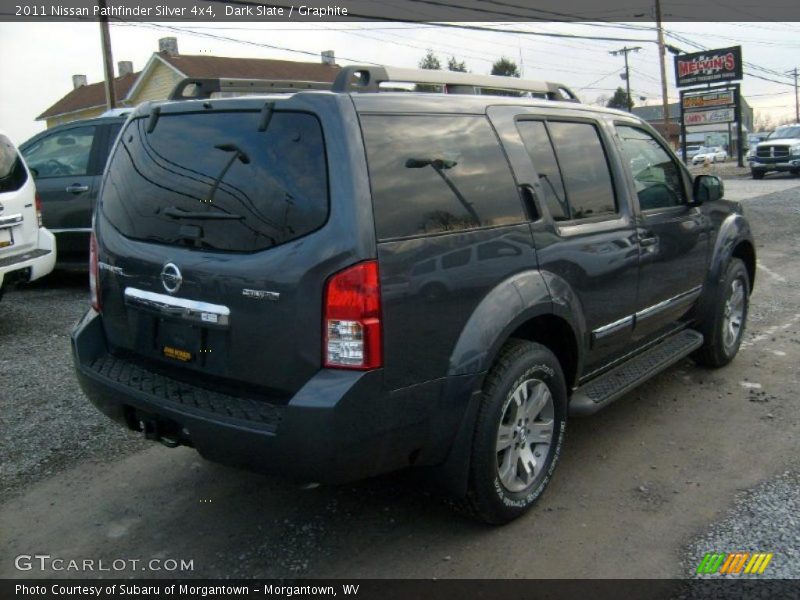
(77, 188)
(648, 241)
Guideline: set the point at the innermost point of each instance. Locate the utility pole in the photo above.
(625, 51)
(662, 53)
(796, 98)
(108, 61)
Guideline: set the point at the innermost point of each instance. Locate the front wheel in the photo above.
(724, 328)
(757, 174)
(519, 432)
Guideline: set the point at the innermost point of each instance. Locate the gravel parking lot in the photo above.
(694, 461)
(48, 425)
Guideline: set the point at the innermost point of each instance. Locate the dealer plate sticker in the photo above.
(177, 354)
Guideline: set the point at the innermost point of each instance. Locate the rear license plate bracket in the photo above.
(6, 237)
(179, 341)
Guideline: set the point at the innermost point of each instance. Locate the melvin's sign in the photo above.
(709, 66)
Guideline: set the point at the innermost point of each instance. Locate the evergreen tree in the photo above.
(620, 100)
(505, 67)
(454, 65)
(429, 61)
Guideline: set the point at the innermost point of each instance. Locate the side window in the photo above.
(12, 173)
(433, 174)
(537, 143)
(657, 175)
(62, 154)
(584, 167)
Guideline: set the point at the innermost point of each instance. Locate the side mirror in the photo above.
(708, 188)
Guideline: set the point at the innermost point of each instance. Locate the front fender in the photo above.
(732, 230)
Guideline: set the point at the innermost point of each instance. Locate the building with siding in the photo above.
(167, 67)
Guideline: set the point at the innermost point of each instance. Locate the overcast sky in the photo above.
(37, 60)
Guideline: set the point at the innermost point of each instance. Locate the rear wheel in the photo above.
(519, 432)
(724, 330)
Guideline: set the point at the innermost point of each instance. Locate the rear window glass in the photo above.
(214, 181)
(433, 174)
(12, 172)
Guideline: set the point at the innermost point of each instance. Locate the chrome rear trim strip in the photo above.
(209, 315)
(10, 220)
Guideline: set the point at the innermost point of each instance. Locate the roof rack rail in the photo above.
(205, 87)
(369, 79)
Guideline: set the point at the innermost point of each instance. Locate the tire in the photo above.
(501, 488)
(757, 174)
(722, 337)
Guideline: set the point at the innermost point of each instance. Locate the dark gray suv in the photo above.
(336, 284)
(67, 162)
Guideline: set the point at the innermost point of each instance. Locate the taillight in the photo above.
(38, 209)
(94, 274)
(352, 318)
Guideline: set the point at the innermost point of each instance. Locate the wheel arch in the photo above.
(745, 251)
(734, 240)
(520, 307)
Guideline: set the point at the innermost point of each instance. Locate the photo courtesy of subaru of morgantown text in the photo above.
(493, 291)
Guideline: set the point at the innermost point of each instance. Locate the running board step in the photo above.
(610, 386)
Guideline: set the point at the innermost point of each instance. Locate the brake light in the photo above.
(352, 318)
(38, 209)
(94, 274)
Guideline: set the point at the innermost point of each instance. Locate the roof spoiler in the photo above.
(203, 88)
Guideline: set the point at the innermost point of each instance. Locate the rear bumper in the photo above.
(39, 261)
(339, 427)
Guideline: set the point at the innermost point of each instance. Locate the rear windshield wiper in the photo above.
(179, 213)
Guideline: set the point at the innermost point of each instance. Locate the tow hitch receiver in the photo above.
(160, 431)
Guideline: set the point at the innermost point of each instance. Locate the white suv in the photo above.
(27, 250)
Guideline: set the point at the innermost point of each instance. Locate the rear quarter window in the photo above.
(12, 172)
(435, 174)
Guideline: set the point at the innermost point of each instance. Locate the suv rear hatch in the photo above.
(19, 225)
(216, 237)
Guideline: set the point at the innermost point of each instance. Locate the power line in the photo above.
(457, 25)
(236, 40)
